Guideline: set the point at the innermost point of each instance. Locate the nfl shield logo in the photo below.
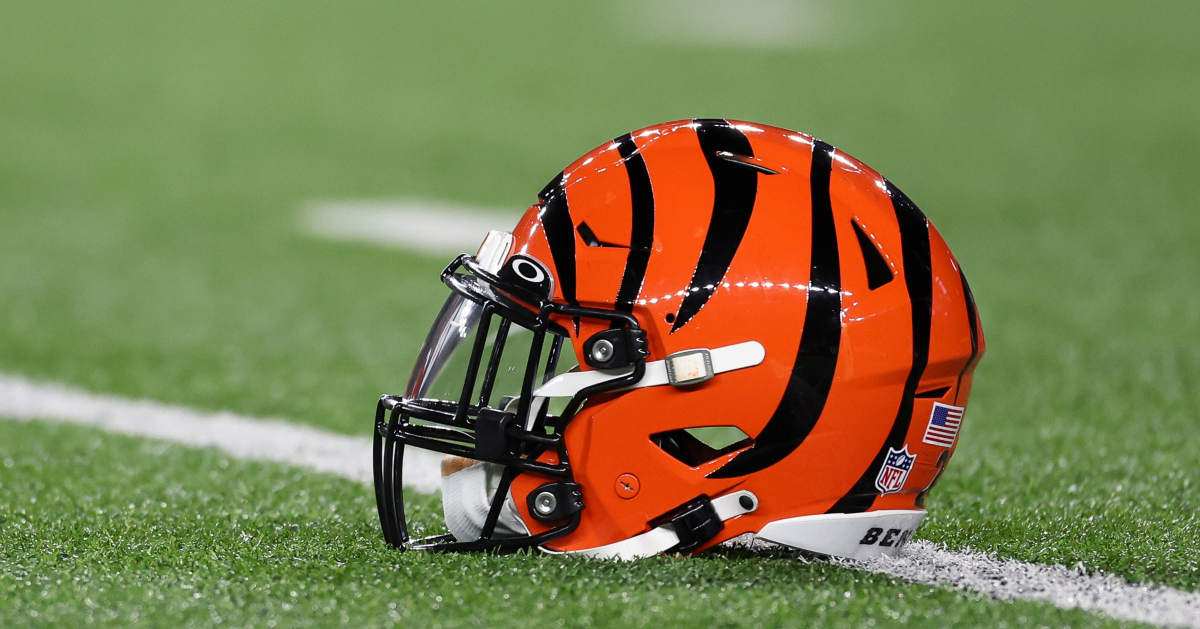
(895, 470)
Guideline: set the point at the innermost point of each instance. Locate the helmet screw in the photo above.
(628, 486)
(602, 351)
(545, 503)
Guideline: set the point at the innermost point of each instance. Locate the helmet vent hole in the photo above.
(878, 271)
(695, 446)
(670, 317)
(933, 393)
(747, 161)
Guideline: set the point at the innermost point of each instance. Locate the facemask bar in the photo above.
(472, 428)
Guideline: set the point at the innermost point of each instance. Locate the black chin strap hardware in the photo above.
(616, 348)
(694, 522)
(491, 442)
(555, 501)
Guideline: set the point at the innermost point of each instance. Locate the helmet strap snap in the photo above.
(616, 348)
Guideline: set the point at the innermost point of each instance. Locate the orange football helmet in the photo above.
(771, 338)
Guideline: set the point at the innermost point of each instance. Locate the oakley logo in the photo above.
(527, 273)
(893, 537)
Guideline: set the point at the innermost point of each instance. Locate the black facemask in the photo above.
(481, 404)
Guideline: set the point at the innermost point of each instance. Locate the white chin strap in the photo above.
(466, 499)
(663, 538)
(728, 358)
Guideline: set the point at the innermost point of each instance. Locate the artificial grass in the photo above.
(154, 158)
(106, 530)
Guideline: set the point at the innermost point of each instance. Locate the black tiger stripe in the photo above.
(735, 188)
(812, 375)
(642, 235)
(560, 233)
(973, 322)
(918, 278)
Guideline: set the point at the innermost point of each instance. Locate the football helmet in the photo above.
(702, 329)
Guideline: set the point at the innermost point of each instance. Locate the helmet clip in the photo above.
(491, 444)
(616, 348)
(555, 501)
(694, 522)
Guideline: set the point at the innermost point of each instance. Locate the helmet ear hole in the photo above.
(696, 446)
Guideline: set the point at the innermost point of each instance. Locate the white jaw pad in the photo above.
(467, 498)
(849, 535)
(728, 358)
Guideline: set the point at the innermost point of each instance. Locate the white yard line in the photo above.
(747, 24)
(1008, 579)
(241, 437)
(429, 227)
(350, 457)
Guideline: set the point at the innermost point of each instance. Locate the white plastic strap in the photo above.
(662, 538)
(535, 407)
(728, 358)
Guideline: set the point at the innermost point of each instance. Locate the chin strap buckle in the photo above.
(694, 522)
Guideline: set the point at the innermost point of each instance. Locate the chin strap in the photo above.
(722, 359)
(697, 516)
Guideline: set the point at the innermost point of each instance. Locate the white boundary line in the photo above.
(350, 457)
(745, 24)
(238, 436)
(1009, 579)
(424, 226)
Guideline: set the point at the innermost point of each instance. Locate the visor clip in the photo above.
(555, 501)
(694, 522)
(491, 444)
(617, 348)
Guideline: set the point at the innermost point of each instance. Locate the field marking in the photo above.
(1008, 579)
(350, 457)
(747, 24)
(238, 436)
(425, 226)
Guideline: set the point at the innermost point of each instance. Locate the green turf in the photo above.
(153, 159)
(105, 530)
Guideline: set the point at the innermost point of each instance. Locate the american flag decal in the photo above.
(943, 425)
